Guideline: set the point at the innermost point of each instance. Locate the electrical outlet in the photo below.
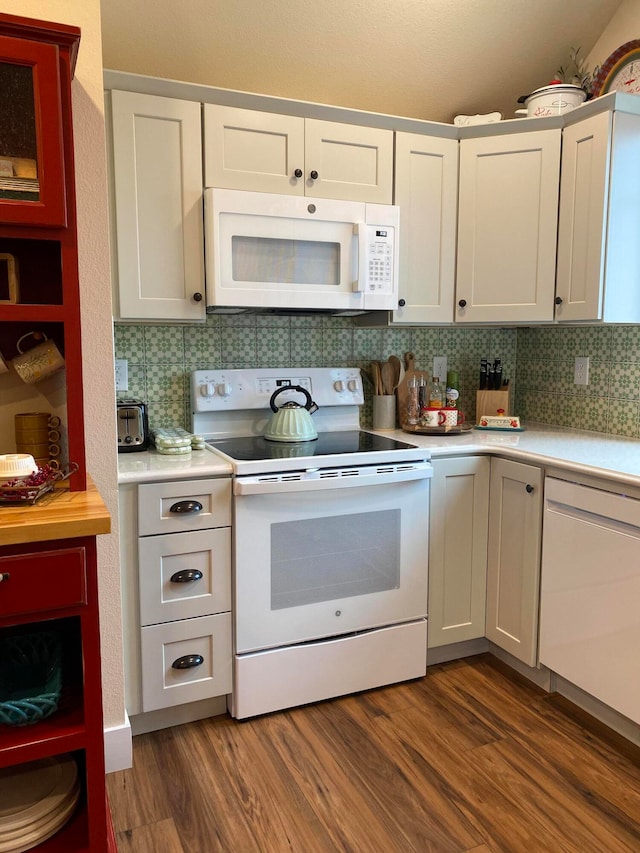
(122, 374)
(440, 367)
(581, 371)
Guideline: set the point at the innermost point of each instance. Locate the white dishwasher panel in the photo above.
(590, 592)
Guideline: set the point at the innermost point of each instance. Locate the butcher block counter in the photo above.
(60, 514)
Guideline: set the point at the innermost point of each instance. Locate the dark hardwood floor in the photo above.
(469, 758)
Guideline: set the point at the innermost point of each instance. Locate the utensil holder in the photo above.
(384, 411)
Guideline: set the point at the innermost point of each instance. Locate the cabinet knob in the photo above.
(529, 488)
(186, 576)
(313, 175)
(558, 300)
(187, 662)
(297, 173)
(4, 576)
(402, 303)
(197, 297)
(462, 303)
(185, 507)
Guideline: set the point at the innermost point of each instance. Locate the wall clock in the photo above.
(620, 72)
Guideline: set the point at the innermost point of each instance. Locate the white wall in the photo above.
(624, 27)
(95, 294)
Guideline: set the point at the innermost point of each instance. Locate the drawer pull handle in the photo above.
(186, 576)
(185, 507)
(4, 576)
(187, 662)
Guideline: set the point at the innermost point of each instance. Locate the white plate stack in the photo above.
(36, 800)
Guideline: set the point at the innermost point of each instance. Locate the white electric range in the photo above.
(330, 540)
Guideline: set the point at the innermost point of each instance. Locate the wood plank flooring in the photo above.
(470, 758)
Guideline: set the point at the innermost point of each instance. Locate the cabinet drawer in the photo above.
(42, 581)
(168, 589)
(162, 645)
(177, 506)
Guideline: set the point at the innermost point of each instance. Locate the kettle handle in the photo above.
(309, 405)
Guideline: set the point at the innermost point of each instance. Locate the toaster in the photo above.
(133, 426)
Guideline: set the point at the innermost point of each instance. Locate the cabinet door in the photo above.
(157, 186)
(352, 162)
(458, 549)
(513, 572)
(32, 181)
(598, 254)
(426, 189)
(252, 150)
(508, 216)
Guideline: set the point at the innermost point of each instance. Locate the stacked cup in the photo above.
(37, 434)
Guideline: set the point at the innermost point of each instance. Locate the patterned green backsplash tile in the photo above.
(538, 361)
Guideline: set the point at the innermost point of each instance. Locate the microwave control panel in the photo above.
(380, 250)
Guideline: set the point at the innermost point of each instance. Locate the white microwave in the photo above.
(268, 251)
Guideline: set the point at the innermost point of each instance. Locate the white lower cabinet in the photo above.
(513, 571)
(458, 549)
(176, 562)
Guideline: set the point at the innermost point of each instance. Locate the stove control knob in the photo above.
(338, 385)
(208, 389)
(223, 389)
(352, 385)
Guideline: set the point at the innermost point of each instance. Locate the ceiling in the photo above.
(429, 59)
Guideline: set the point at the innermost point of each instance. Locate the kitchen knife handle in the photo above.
(186, 576)
(187, 662)
(186, 507)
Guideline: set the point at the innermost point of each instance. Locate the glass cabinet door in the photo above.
(32, 186)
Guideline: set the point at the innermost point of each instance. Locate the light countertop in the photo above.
(149, 466)
(587, 453)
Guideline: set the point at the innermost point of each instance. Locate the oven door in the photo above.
(326, 553)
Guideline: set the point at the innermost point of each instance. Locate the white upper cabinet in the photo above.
(507, 225)
(426, 189)
(156, 186)
(598, 248)
(268, 152)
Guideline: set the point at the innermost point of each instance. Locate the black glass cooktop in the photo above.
(252, 448)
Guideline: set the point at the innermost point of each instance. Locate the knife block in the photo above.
(488, 403)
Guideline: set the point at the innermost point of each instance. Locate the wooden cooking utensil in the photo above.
(376, 376)
(388, 375)
(398, 370)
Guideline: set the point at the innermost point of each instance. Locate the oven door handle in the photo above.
(317, 480)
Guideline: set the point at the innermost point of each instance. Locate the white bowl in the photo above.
(17, 465)
(554, 100)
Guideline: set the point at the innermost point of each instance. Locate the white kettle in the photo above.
(292, 421)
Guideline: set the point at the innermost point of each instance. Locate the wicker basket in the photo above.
(30, 677)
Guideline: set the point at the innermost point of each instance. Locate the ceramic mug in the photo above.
(432, 417)
(40, 361)
(452, 417)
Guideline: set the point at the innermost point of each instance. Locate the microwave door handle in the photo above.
(360, 232)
